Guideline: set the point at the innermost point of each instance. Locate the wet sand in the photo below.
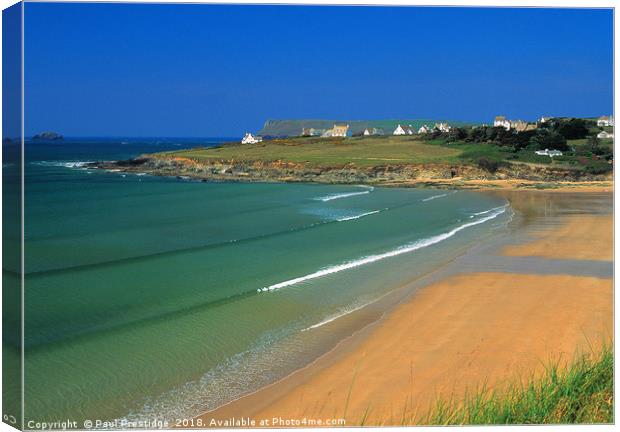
(455, 335)
(579, 237)
(475, 326)
(513, 185)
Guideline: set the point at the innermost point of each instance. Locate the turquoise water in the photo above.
(157, 297)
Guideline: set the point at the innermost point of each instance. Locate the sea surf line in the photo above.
(486, 211)
(374, 258)
(437, 196)
(335, 317)
(348, 218)
(66, 164)
(341, 195)
(342, 313)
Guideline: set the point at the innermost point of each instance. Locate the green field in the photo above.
(390, 150)
(360, 151)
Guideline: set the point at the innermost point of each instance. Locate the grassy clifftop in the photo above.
(311, 151)
(377, 160)
(377, 151)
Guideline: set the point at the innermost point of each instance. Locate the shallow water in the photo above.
(155, 297)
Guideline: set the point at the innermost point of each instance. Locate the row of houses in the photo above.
(605, 121)
(342, 130)
(338, 130)
(516, 125)
(408, 129)
(520, 125)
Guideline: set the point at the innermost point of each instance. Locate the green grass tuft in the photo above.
(580, 393)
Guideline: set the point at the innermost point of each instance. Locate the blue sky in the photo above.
(214, 70)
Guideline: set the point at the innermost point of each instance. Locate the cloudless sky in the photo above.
(219, 70)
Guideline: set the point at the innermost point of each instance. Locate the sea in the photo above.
(153, 297)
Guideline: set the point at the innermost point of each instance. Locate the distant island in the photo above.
(47, 136)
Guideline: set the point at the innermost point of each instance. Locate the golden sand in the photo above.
(453, 336)
(581, 237)
(514, 184)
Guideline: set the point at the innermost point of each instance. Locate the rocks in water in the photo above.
(132, 162)
(47, 136)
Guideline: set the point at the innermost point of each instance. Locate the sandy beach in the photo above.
(569, 241)
(475, 327)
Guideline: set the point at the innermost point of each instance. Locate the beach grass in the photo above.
(579, 393)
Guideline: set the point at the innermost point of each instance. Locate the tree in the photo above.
(477, 134)
(549, 140)
(456, 134)
(593, 143)
(572, 129)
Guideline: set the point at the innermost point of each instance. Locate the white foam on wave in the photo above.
(348, 218)
(438, 196)
(341, 195)
(419, 244)
(487, 211)
(66, 164)
(343, 312)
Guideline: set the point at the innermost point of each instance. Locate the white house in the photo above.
(550, 153)
(605, 135)
(251, 139)
(372, 131)
(501, 121)
(403, 130)
(339, 130)
(605, 121)
(442, 127)
(424, 129)
(310, 132)
(544, 119)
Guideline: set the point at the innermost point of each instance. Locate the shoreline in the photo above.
(381, 307)
(258, 402)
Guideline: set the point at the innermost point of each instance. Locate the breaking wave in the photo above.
(341, 313)
(66, 164)
(487, 211)
(419, 244)
(341, 195)
(438, 196)
(336, 196)
(348, 218)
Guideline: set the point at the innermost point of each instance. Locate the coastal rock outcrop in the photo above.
(47, 136)
(389, 175)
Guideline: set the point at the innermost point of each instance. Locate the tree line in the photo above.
(552, 135)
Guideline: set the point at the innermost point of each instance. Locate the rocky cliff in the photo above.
(347, 174)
